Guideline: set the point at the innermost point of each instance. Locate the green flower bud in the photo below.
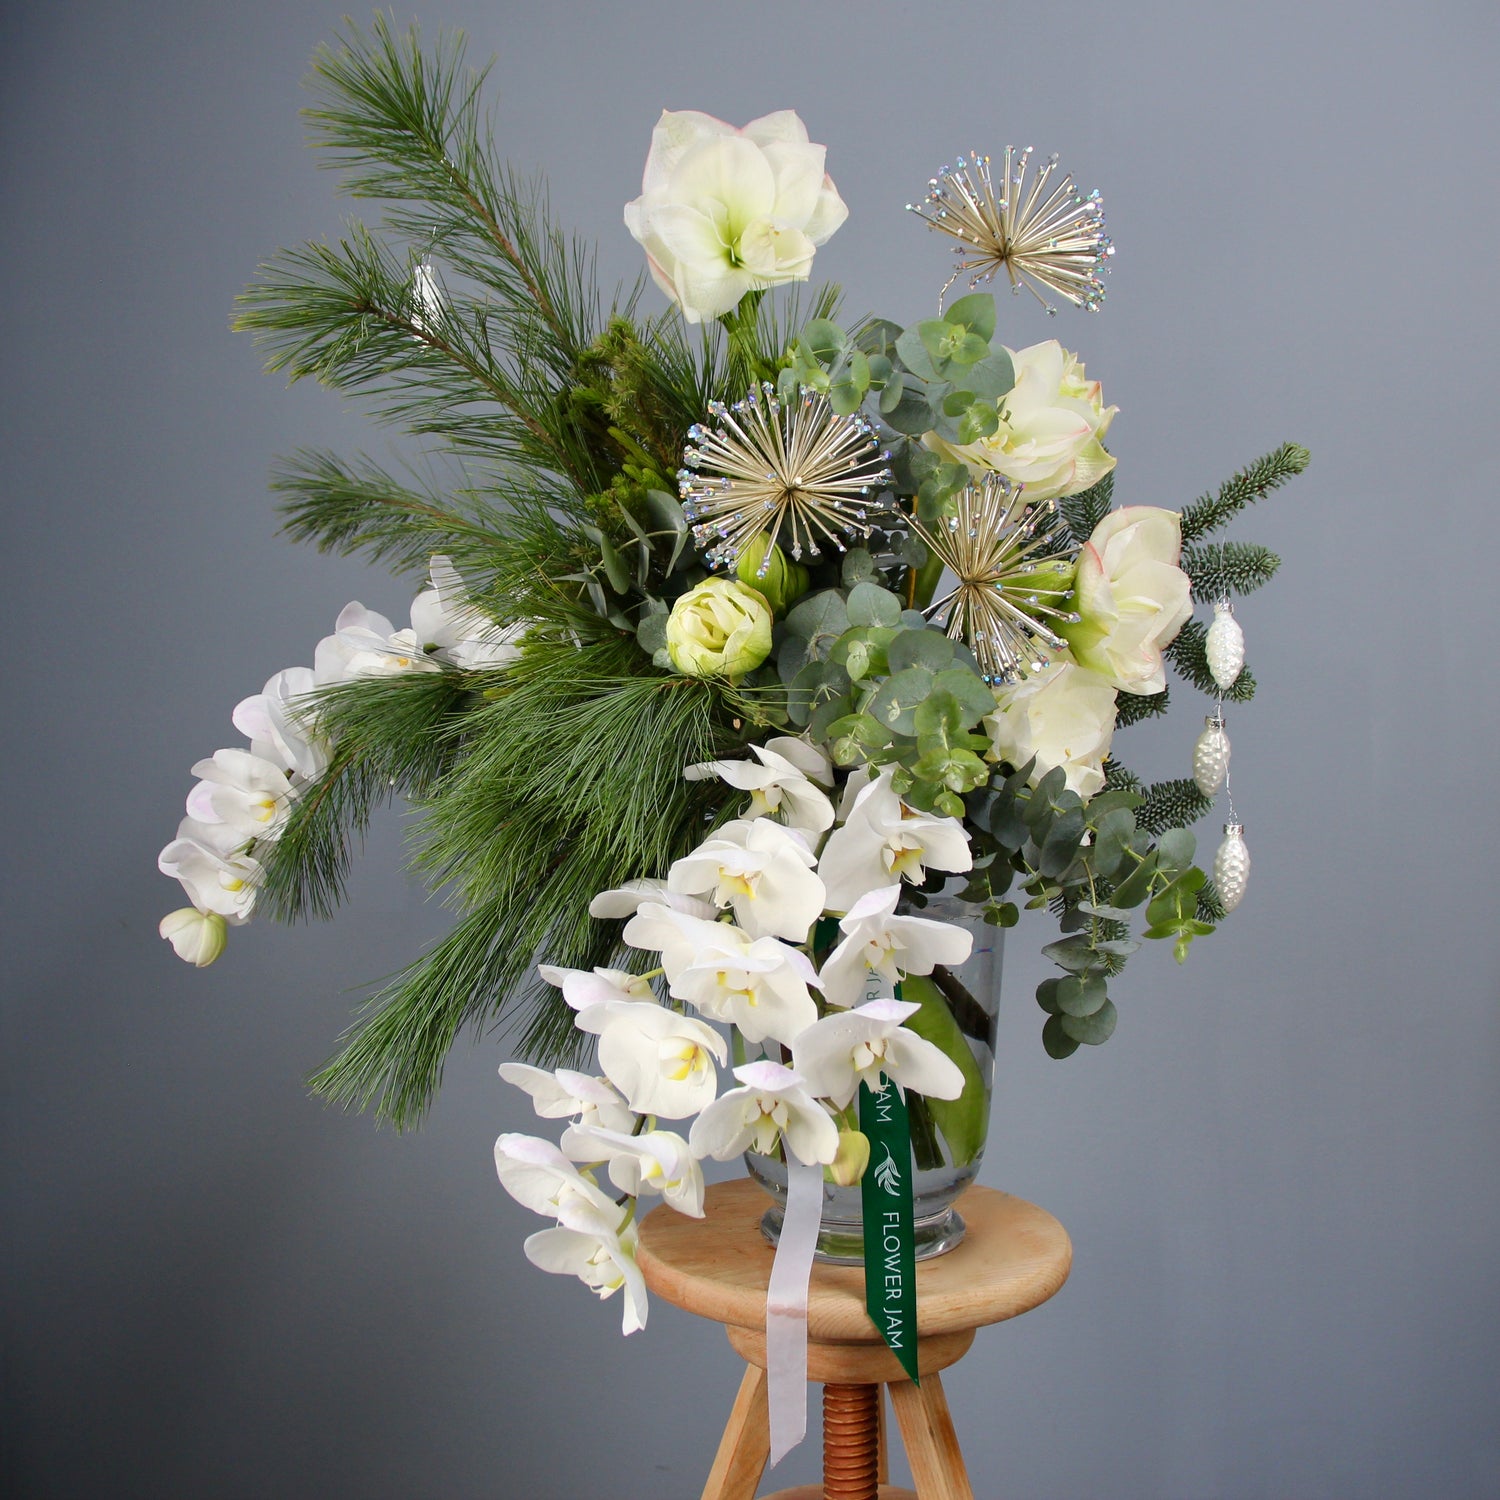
(853, 1156)
(778, 579)
(721, 628)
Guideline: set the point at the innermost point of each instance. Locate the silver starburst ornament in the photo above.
(1043, 233)
(1211, 756)
(1232, 866)
(797, 472)
(1013, 567)
(1225, 646)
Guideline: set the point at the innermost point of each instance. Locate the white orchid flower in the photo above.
(884, 840)
(539, 1177)
(662, 1062)
(657, 1161)
(784, 784)
(625, 900)
(269, 720)
(856, 1046)
(197, 937)
(762, 871)
(589, 991)
(447, 623)
(208, 859)
(759, 985)
(566, 1094)
(878, 942)
(771, 1104)
(366, 644)
(587, 1244)
(253, 796)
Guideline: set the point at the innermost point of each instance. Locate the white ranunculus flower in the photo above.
(1052, 426)
(725, 211)
(1064, 715)
(1132, 597)
(589, 1245)
(761, 870)
(771, 1104)
(197, 937)
(883, 840)
(877, 941)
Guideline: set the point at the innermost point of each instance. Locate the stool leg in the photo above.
(746, 1443)
(851, 1442)
(937, 1465)
(883, 1473)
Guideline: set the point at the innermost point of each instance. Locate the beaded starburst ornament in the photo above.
(797, 471)
(1053, 239)
(999, 549)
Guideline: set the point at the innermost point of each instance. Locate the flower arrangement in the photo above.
(744, 630)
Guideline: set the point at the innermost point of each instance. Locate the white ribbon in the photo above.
(786, 1307)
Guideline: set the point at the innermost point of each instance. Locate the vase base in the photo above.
(843, 1244)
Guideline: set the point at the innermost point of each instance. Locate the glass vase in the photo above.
(959, 1009)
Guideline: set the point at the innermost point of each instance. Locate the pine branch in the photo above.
(1131, 708)
(1189, 657)
(1210, 512)
(1171, 804)
(1083, 513)
(1219, 569)
(388, 741)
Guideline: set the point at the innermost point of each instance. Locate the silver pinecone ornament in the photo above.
(1225, 646)
(1211, 756)
(1232, 866)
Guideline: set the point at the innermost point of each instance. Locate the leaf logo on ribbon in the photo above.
(888, 1174)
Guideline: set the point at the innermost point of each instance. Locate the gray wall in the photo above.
(1279, 1176)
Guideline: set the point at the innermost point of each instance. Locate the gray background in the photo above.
(1279, 1176)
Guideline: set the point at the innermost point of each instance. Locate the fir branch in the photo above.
(1189, 657)
(1131, 708)
(387, 741)
(1171, 804)
(1118, 779)
(1083, 512)
(1210, 512)
(1210, 905)
(1219, 569)
(570, 783)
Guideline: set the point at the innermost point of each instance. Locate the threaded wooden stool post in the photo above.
(851, 1442)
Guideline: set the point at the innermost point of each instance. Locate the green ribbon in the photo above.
(890, 1240)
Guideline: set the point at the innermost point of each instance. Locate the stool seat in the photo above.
(1014, 1257)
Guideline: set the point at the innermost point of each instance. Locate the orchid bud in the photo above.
(198, 937)
(851, 1159)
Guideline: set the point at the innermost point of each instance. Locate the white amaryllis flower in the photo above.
(759, 985)
(625, 900)
(217, 875)
(1052, 425)
(724, 211)
(590, 991)
(1064, 715)
(857, 1046)
(251, 795)
(270, 721)
(771, 1104)
(762, 871)
(662, 1062)
(197, 937)
(446, 624)
(785, 783)
(1131, 597)
(366, 644)
(539, 1177)
(566, 1094)
(878, 942)
(883, 840)
(589, 1244)
(657, 1161)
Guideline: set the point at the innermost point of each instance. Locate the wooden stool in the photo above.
(1014, 1257)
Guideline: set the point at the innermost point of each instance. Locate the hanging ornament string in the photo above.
(1225, 651)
